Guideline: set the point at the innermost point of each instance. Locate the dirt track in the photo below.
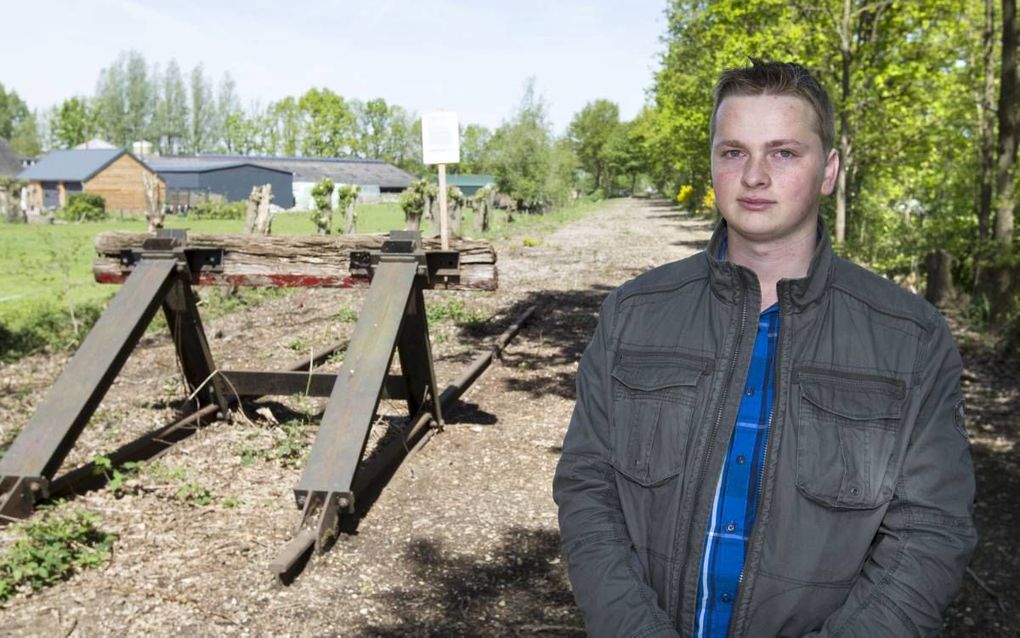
(463, 541)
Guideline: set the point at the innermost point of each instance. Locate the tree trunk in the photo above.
(940, 278)
(845, 158)
(351, 217)
(1007, 148)
(153, 207)
(986, 111)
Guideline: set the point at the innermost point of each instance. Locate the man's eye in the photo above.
(785, 154)
(731, 153)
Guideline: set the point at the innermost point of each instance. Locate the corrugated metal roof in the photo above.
(364, 172)
(71, 166)
(201, 165)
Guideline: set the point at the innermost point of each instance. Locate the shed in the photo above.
(113, 173)
(193, 179)
(469, 184)
(10, 163)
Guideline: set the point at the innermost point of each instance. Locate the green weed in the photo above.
(52, 549)
(452, 310)
(290, 443)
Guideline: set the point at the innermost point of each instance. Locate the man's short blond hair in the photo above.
(778, 78)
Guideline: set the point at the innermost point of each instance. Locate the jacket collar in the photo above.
(727, 278)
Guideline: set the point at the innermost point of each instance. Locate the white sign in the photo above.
(440, 138)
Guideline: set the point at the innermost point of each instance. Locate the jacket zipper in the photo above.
(716, 426)
(764, 461)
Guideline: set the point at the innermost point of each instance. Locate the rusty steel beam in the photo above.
(383, 463)
(46, 439)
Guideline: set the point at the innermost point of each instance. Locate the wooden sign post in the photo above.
(440, 144)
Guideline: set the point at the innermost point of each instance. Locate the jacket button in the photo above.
(730, 527)
(855, 491)
(726, 598)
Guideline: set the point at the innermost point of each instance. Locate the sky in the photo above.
(470, 57)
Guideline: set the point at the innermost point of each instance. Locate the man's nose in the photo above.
(755, 173)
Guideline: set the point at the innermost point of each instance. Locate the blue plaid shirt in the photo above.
(736, 495)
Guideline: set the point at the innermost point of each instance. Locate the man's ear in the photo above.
(830, 172)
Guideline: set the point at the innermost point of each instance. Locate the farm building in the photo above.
(469, 184)
(377, 178)
(10, 164)
(192, 180)
(113, 173)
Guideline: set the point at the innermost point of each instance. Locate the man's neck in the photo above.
(785, 259)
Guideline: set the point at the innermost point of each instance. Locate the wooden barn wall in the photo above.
(120, 184)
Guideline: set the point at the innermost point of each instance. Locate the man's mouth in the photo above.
(755, 203)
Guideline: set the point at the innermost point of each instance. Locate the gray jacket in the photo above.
(864, 523)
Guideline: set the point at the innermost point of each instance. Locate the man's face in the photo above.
(768, 167)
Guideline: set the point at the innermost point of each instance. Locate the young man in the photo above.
(768, 440)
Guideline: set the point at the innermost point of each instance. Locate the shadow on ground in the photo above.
(562, 326)
(519, 589)
(991, 607)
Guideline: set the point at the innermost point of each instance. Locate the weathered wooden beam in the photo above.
(294, 260)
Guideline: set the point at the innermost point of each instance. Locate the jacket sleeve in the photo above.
(601, 562)
(922, 548)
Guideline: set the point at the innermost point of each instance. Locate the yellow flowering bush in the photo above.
(708, 201)
(685, 193)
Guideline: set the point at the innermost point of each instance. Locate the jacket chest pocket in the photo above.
(654, 399)
(847, 438)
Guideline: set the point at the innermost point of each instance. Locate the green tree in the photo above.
(590, 132)
(328, 124)
(73, 123)
(473, 157)
(521, 152)
(12, 111)
(286, 130)
(25, 140)
(201, 136)
(372, 121)
(170, 120)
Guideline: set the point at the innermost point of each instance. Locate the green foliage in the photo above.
(452, 310)
(83, 207)
(218, 209)
(415, 198)
(346, 197)
(474, 156)
(116, 476)
(521, 152)
(590, 133)
(346, 315)
(73, 123)
(322, 195)
(53, 549)
(328, 124)
(193, 494)
(290, 442)
(12, 111)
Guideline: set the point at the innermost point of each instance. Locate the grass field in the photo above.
(49, 297)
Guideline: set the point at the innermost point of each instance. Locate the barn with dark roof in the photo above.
(191, 180)
(376, 178)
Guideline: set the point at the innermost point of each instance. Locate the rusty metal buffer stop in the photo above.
(160, 274)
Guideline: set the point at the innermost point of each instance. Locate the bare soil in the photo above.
(463, 540)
